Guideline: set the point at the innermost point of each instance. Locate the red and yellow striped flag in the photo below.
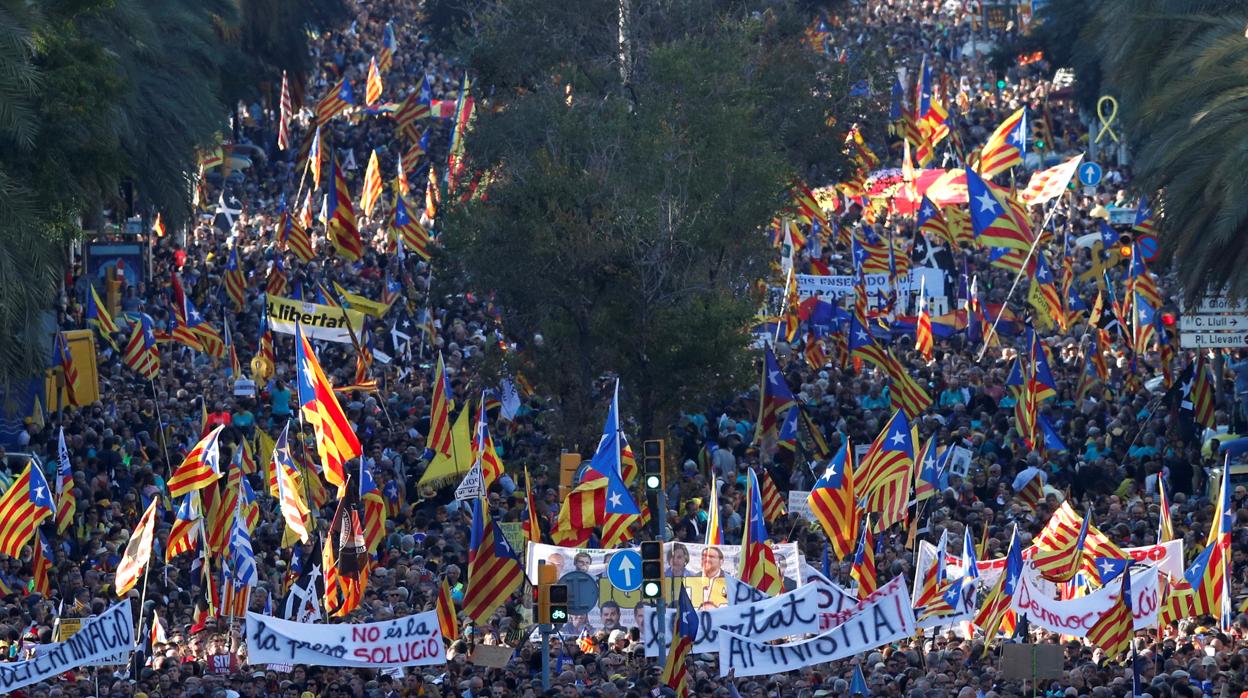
(341, 228)
(372, 88)
(1112, 632)
(494, 570)
(440, 414)
(336, 441)
(773, 504)
(200, 468)
(372, 185)
(447, 619)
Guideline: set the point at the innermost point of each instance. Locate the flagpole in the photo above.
(1018, 277)
(142, 602)
(784, 303)
(160, 423)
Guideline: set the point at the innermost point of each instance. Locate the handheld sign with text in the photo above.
(414, 640)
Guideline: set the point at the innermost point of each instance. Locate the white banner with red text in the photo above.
(414, 640)
(1167, 557)
(1075, 617)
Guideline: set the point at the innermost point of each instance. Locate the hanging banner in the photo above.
(1167, 557)
(839, 286)
(1076, 617)
(108, 635)
(811, 608)
(414, 640)
(881, 618)
(704, 571)
(323, 322)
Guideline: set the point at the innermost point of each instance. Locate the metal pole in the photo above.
(660, 604)
(545, 629)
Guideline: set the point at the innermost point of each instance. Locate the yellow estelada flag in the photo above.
(364, 305)
(443, 467)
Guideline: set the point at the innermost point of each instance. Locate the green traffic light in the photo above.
(650, 590)
(558, 615)
(1000, 84)
(653, 482)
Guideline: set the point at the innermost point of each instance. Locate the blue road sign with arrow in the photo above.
(1090, 174)
(624, 570)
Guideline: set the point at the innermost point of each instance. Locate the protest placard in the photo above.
(883, 617)
(513, 531)
(1166, 557)
(811, 608)
(414, 640)
(1029, 662)
(798, 504)
(108, 635)
(1075, 617)
(492, 656)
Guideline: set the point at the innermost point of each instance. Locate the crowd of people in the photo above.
(1121, 438)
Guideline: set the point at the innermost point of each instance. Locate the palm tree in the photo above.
(29, 258)
(1179, 69)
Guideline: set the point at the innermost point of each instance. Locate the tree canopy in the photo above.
(1179, 69)
(627, 187)
(95, 94)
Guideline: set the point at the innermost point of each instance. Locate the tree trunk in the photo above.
(626, 44)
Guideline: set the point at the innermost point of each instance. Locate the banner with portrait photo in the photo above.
(706, 573)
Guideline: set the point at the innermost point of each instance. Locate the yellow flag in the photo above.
(446, 467)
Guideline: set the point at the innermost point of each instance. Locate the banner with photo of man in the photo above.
(706, 572)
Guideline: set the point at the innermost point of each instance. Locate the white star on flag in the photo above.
(986, 202)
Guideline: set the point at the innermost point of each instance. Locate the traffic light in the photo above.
(651, 569)
(557, 604)
(652, 461)
(546, 577)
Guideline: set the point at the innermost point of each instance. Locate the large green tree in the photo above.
(1179, 69)
(97, 94)
(631, 158)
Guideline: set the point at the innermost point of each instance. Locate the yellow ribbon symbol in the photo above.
(1106, 120)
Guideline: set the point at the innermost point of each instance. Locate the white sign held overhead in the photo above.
(1206, 323)
(1202, 340)
(472, 487)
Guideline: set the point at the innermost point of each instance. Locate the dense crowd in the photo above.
(1121, 439)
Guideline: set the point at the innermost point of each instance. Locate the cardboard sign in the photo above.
(492, 656)
(1027, 662)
